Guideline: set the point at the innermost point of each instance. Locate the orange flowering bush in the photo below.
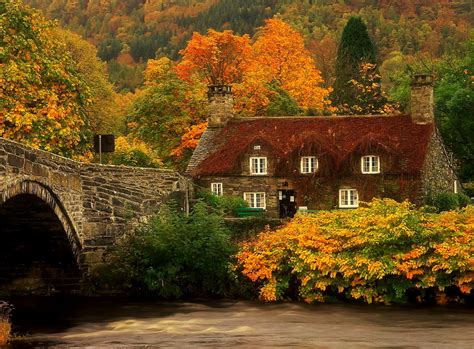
(386, 252)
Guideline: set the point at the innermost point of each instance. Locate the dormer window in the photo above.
(309, 164)
(258, 165)
(370, 164)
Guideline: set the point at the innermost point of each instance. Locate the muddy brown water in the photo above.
(66, 323)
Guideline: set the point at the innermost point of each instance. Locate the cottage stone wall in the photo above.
(438, 174)
(317, 192)
(96, 204)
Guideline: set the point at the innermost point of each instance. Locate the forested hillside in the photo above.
(129, 32)
(283, 57)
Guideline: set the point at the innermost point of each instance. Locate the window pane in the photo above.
(375, 164)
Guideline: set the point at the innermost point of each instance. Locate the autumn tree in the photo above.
(324, 52)
(355, 49)
(166, 108)
(103, 112)
(217, 58)
(369, 97)
(43, 98)
(190, 139)
(280, 52)
(277, 61)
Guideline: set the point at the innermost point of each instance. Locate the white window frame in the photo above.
(310, 159)
(217, 189)
(262, 165)
(373, 160)
(251, 198)
(352, 195)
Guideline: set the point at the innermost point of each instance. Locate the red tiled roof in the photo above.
(337, 136)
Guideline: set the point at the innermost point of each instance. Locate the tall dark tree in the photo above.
(355, 49)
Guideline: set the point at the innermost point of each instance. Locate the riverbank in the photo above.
(118, 323)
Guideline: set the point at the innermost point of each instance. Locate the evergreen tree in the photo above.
(355, 48)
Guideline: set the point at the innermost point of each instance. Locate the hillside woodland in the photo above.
(134, 67)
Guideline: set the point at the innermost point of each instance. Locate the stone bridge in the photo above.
(56, 213)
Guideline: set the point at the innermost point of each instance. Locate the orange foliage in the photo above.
(218, 57)
(281, 54)
(277, 56)
(376, 254)
(43, 99)
(190, 139)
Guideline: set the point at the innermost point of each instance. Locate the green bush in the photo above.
(248, 228)
(469, 189)
(450, 201)
(227, 204)
(446, 202)
(464, 200)
(174, 256)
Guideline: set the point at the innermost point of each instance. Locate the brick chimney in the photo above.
(221, 104)
(422, 99)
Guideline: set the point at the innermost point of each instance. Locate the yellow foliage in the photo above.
(134, 152)
(375, 253)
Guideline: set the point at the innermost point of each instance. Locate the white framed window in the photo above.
(255, 200)
(348, 198)
(217, 189)
(258, 165)
(308, 164)
(370, 164)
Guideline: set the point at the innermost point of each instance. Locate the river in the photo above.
(113, 323)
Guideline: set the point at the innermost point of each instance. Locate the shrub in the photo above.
(464, 200)
(174, 256)
(387, 252)
(446, 201)
(227, 204)
(450, 201)
(249, 228)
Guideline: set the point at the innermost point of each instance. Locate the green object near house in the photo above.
(242, 212)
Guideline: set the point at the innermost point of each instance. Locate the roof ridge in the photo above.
(317, 117)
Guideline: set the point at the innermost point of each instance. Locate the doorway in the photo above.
(287, 203)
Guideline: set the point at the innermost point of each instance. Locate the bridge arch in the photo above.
(42, 192)
(28, 210)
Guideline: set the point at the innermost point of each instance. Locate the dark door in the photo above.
(287, 199)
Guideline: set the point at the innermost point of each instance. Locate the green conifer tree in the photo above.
(355, 48)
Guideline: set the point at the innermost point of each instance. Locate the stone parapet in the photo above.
(96, 204)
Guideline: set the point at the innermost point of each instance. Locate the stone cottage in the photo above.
(282, 164)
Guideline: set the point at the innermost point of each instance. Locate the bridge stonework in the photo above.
(96, 204)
